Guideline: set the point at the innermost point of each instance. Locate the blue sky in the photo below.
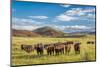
(68, 18)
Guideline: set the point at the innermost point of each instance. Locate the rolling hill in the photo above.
(24, 33)
(49, 32)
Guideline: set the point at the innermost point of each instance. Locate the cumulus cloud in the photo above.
(67, 28)
(31, 27)
(89, 10)
(22, 21)
(76, 14)
(73, 11)
(24, 24)
(78, 27)
(38, 17)
(73, 27)
(91, 16)
(79, 11)
(63, 17)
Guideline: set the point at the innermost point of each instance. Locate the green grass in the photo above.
(20, 57)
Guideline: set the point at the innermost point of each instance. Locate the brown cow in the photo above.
(49, 48)
(27, 48)
(69, 42)
(67, 47)
(77, 47)
(59, 48)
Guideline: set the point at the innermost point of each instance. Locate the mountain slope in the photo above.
(48, 32)
(24, 33)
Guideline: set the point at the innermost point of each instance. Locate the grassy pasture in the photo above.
(20, 57)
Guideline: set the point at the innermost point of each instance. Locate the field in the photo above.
(20, 57)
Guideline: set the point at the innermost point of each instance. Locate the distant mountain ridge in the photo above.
(47, 32)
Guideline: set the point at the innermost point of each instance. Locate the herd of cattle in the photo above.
(54, 48)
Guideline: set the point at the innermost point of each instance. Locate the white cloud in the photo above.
(79, 11)
(89, 10)
(78, 27)
(22, 21)
(38, 17)
(91, 16)
(31, 27)
(64, 5)
(24, 24)
(75, 14)
(73, 11)
(72, 27)
(63, 17)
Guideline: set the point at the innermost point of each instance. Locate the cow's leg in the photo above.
(75, 51)
(56, 52)
(37, 52)
(63, 51)
(59, 51)
(50, 52)
(66, 51)
(53, 51)
(42, 52)
(78, 51)
(47, 52)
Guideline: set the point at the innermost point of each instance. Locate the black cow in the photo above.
(39, 49)
(90, 42)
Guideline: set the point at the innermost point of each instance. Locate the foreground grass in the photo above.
(20, 57)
